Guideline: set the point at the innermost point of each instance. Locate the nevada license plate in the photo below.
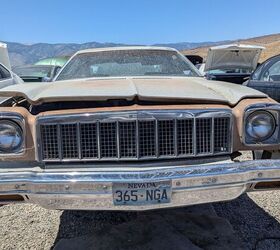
(142, 193)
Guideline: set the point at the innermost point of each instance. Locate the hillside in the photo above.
(270, 42)
(21, 54)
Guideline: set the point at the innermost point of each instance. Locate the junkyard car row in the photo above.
(134, 128)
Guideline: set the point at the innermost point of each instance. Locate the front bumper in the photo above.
(89, 189)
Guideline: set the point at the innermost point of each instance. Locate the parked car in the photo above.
(231, 63)
(54, 61)
(266, 78)
(195, 59)
(7, 77)
(134, 128)
(37, 73)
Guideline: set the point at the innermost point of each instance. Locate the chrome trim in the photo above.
(274, 109)
(19, 120)
(141, 115)
(92, 189)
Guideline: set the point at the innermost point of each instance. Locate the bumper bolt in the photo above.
(260, 174)
(178, 183)
(67, 187)
(105, 187)
(16, 186)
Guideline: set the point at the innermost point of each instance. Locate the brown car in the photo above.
(134, 128)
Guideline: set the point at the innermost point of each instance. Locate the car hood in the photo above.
(187, 89)
(233, 56)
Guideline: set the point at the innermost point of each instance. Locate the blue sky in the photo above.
(136, 22)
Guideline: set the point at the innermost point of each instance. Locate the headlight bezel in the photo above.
(19, 121)
(268, 108)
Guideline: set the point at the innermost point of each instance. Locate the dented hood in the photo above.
(189, 89)
(233, 56)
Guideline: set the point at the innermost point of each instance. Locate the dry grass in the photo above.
(270, 42)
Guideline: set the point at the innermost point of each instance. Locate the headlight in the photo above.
(11, 136)
(260, 125)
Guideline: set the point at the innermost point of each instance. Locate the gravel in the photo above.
(254, 216)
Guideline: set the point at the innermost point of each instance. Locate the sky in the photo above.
(136, 21)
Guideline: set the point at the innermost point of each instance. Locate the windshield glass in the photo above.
(127, 63)
(33, 71)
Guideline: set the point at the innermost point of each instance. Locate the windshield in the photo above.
(127, 63)
(33, 71)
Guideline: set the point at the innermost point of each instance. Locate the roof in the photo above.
(124, 48)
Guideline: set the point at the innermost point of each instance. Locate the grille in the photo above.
(132, 138)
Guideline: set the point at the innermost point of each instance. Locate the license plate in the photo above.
(142, 193)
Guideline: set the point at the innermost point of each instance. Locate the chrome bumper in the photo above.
(92, 189)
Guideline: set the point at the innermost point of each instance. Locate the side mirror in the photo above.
(46, 79)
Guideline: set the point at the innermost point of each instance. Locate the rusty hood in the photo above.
(189, 89)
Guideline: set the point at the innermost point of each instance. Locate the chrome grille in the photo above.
(134, 136)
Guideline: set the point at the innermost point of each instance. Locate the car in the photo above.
(266, 78)
(195, 59)
(7, 77)
(37, 73)
(55, 61)
(231, 63)
(135, 128)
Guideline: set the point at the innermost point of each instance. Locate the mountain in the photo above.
(21, 54)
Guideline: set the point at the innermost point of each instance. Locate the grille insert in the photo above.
(185, 137)
(166, 136)
(147, 138)
(108, 139)
(88, 136)
(127, 132)
(160, 136)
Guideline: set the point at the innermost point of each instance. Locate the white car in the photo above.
(231, 63)
(7, 77)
